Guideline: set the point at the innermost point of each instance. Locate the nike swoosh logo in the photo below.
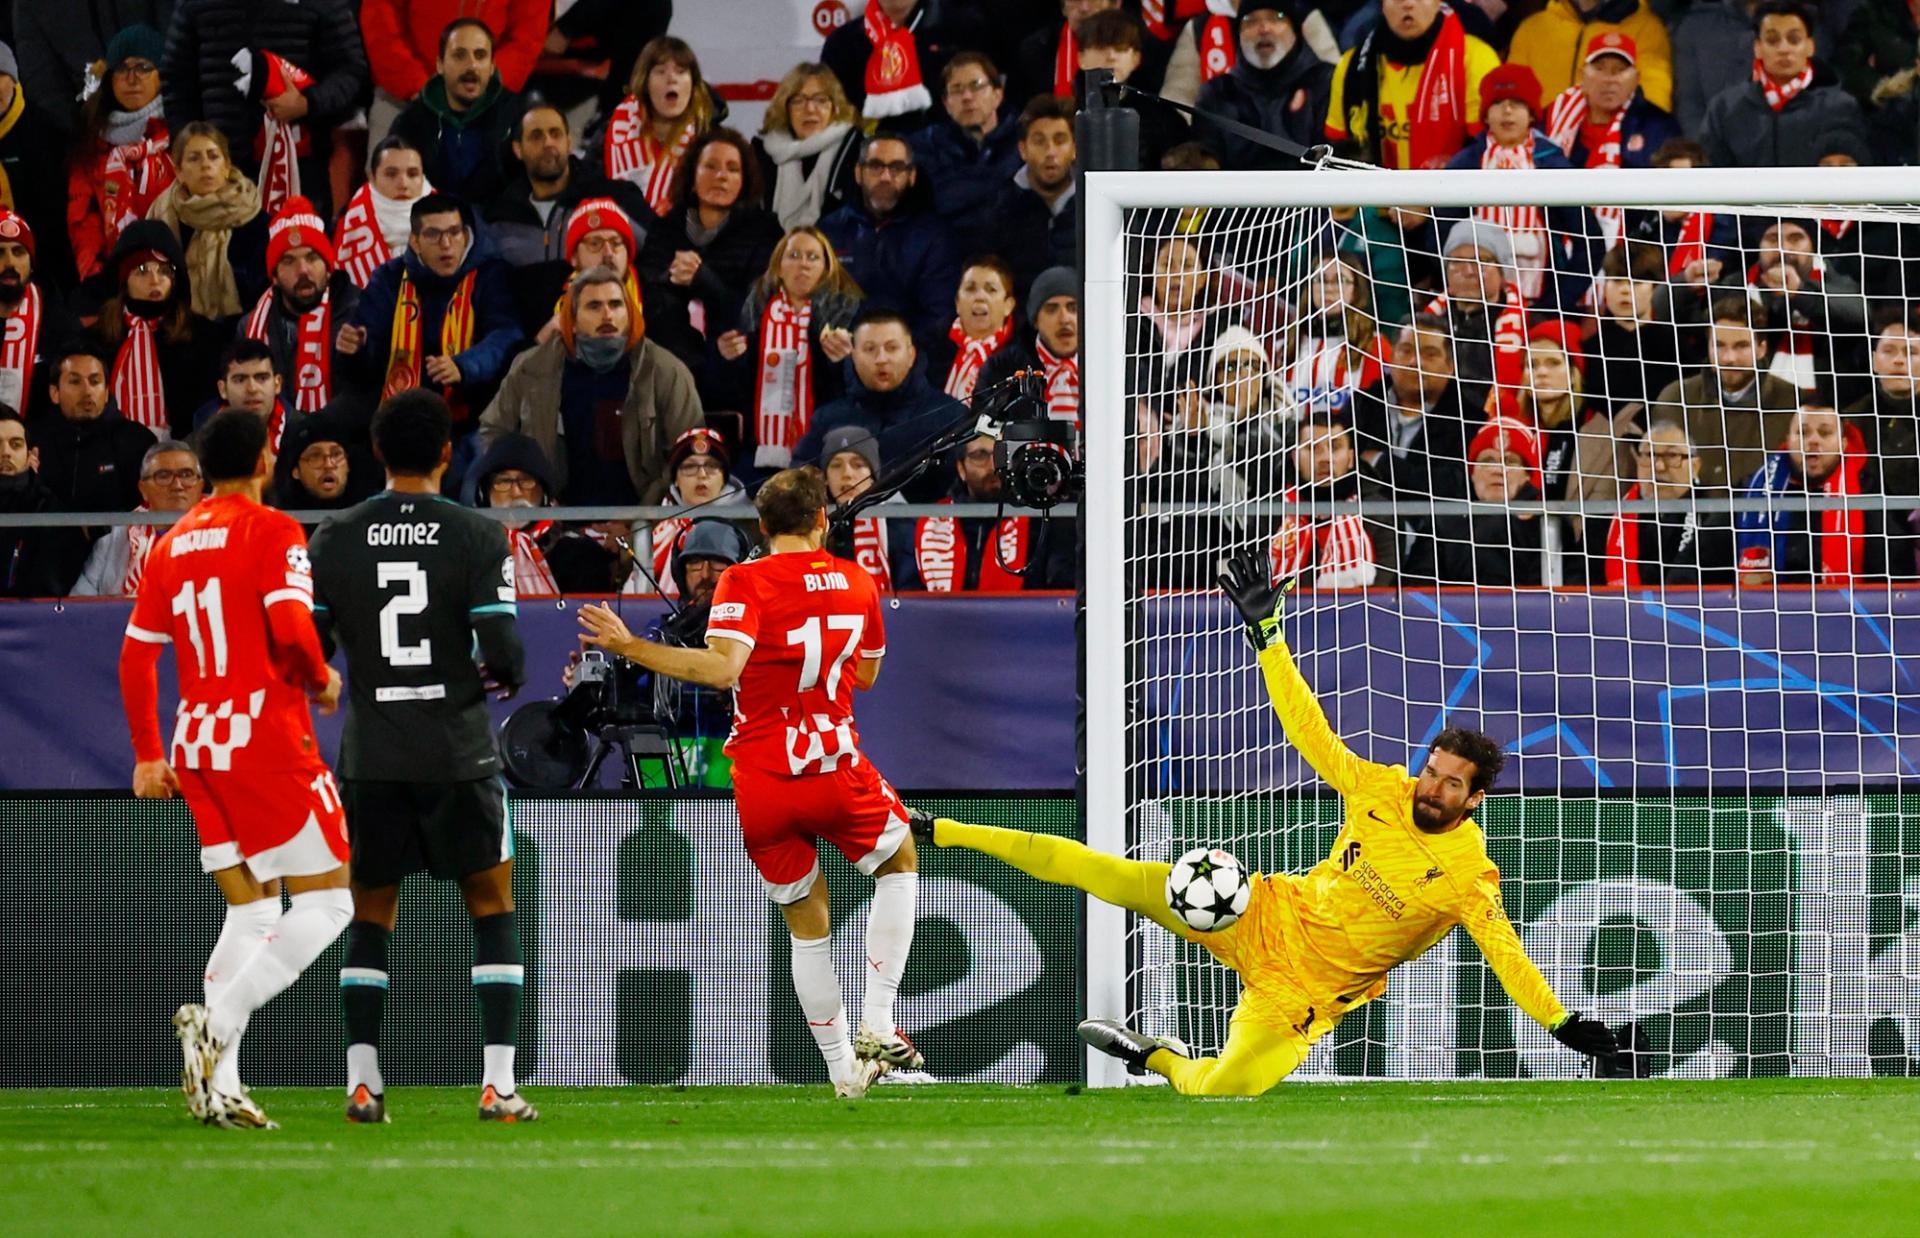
(1377, 817)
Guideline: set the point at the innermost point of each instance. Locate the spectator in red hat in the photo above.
(1605, 120)
(122, 162)
(41, 317)
(1550, 43)
(298, 317)
(214, 208)
(604, 402)
(1500, 549)
(701, 466)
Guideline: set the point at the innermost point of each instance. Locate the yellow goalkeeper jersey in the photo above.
(1386, 892)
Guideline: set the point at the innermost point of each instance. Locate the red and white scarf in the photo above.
(783, 395)
(1217, 50)
(1525, 226)
(662, 538)
(1623, 545)
(137, 386)
(532, 578)
(1691, 245)
(1509, 337)
(281, 142)
(969, 355)
(1327, 369)
(140, 542)
(892, 77)
(940, 551)
(1439, 116)
(870, 550)
(634, 154)
(1154, 14)
(19, 344)
(134, 174)
(1063, 384)
(1779, 94)
(1566, 116)
(313, 350)
(359, 243)
(1340, 547)
(1066, 61)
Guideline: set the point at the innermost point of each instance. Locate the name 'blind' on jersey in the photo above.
(808, 619)
(407, 584)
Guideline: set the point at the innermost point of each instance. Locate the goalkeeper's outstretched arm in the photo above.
(1247, 583)
(1485, 919)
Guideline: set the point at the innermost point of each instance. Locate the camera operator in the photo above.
(980, 554)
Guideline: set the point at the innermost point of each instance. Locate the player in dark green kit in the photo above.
(409, 583)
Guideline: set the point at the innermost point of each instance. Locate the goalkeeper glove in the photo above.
(1248, 584)
(1591, 1037)
(1635, 1058)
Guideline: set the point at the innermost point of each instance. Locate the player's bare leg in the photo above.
(1140, 886)
(890, 922)
(363, 997)
(320, 908)
(253, 908)
(497, 979)
(810, 923)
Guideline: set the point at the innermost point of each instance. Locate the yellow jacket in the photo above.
(1388, 890)
(1553, 41)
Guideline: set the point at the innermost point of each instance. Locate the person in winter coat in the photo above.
(1713, 53)
(966, 154)
(1413, 435)
(850, 459)
(122, 162)
(162, 358)
(982, 323)
(31, 155)
(807, 146)
(1794, 102)
(549, 559)
(1277, 84)
(896, 248)
(378, 219)
(439, 316)
(604, 402)
(1032, 224)
(59, 45)
(1345, 551)
(700, 464)
(462, 117)
(890, 397)
(299, 316)
(1336, 345)
(33, 562)
(214, 210)
(1734, 408)
(90, 455)
(1634, 352)
(318, 38)
(1605, 119)
(1554, 42)
(700, 261)
(1822, 455)
(528, 218)
(402, 38)
(33, 319)
(786, 354)
(1503, 549)
(1680, 546)
(1176, 325)
(1053, 348)
(323, 465)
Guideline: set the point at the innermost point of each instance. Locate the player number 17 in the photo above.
(812, 646)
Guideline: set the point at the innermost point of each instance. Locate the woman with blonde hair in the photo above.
(214, 209)
(808, 146)
(791, 341)
(667, 106)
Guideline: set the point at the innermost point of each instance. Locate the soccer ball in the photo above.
(1208, 889)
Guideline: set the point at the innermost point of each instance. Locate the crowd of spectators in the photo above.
(301, 209)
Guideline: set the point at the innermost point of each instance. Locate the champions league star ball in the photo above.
(1208, 889)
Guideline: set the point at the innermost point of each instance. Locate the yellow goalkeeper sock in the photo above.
(1137, 885)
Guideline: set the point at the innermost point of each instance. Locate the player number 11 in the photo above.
(812, 646)
(189, 604)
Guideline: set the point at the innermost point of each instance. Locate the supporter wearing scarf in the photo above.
(1779, 94)
(137, 385)
(404, 342)
(213, 218)
(1624, 566)
(298, 226)
(783, 391)
(372, 230)
(1691, 245)
(135, 171)
(280, 143)
(872, 551)
(1437, 125)
(1509, 335)
(1339, 549)
(970, 354)
(893, 83)
(532, 577)
(635, 154)
(1839, 537)
(20, 338)
(941, 550)
(140, 542)
(1063, 384)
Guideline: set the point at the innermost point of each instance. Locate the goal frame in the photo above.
(1108, 196)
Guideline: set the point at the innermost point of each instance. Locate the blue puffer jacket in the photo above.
(909, 261)
(496, 329)
(964, 175)
(905, 420)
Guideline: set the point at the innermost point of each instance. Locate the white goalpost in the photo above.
(1526, 489)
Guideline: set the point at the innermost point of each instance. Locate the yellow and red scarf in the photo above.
(405, 358)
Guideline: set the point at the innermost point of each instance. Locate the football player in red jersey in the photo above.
(230, 587)
(793, 634)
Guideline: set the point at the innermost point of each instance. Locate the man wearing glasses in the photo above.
(894, 247)
(169, 482)
(975, 148)
(1676, 545)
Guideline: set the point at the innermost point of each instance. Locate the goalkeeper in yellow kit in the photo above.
(1407, 865)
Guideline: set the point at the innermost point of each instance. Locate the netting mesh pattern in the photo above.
(1632, 489)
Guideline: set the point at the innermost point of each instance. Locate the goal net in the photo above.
(1618, 467)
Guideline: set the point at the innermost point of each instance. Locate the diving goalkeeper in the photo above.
(1407, 866)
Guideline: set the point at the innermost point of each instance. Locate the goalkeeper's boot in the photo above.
(895, 1049)
(921, 823)
(854, 1086)
(509, 1108)
(1133, 1048)
(366, 1105)
(198, 1055)
(238, 1111)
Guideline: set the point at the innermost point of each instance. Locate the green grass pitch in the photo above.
(1615, 1159)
